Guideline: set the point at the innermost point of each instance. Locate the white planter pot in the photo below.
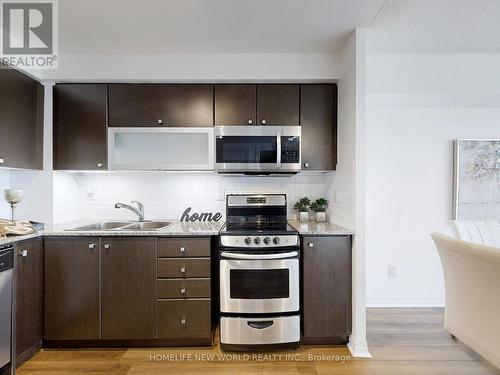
(303, 216)
(320, 217)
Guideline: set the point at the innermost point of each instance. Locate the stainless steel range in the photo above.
(259, 275)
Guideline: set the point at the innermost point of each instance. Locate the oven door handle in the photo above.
(244, 256)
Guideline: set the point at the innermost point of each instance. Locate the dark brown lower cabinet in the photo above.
(326, 289)
(184, 319)
(128, 288)
(72, 308)
(29, 298)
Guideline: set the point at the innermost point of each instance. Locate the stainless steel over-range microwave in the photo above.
(257, 149)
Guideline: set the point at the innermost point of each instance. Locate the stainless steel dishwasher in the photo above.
(6, 265)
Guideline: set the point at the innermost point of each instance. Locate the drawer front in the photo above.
(183, 247)
(184, 288)
(183, 268)
(184, 319)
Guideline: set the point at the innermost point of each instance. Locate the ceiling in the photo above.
(436, 26)
(210, 26)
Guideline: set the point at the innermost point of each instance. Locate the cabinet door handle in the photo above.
(250, 122)
(310, 244)
(159, 122)
(23, 253)
(306, 165)
(183, 290)
(91, 245)
(264, 122)
(183, 321)
(2, 161)
(107, 245)
(100, 165)
(183, 250)
(183, 269)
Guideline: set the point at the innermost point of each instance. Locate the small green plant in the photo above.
(319, 205)
(303, 205)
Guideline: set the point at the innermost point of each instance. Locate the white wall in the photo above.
(347, 190)
(91, 196)
(417, 104)
(341, 192)
(195, 67)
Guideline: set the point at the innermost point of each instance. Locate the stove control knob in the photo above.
(267, 240)
(276, 240)
(256, 240)
(248, 240)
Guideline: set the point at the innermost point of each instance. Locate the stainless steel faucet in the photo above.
(139, 211)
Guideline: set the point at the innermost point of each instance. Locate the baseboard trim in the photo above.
(404, 302)
(358, 349)
(28, 353)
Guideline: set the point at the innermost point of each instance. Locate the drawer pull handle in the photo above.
(183, 249)
(260, 324)
(107, 246)
(159, 122)
(183, 269)
(23, 253)
(183, 290)
(100, 165)
(183, 321)
(91, 245)
(310, 244)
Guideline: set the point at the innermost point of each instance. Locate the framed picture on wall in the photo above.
(476, 193)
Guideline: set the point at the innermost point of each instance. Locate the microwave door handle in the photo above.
(244, 256)
(278, 150)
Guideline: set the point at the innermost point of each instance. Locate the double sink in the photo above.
(123, 226)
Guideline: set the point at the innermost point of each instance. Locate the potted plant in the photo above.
(319, 207)
(303, 207)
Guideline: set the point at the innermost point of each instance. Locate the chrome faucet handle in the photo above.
(141, 208)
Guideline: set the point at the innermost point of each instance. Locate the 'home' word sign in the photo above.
(204, 216)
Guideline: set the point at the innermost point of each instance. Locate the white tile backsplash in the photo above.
(91, 196)
(4, 184)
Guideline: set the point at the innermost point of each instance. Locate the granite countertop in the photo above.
(175, 229)
(12, 239)
(318, 229)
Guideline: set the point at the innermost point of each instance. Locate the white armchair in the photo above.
(472, 283)
(480, 232)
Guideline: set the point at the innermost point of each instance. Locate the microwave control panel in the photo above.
(290, 149)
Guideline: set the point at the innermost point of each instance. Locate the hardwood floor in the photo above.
(402, 341)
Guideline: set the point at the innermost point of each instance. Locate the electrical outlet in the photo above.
(392, 272)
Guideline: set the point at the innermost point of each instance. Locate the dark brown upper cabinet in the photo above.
(235, 104)
(21, 120)
(176, 105)
(80, 126)
(278, 105)
(128, 287)
(72, 288)
(327, 289)
(29, 298)
(318, 118)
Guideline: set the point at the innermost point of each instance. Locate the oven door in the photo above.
(259, 283)
(247, 148)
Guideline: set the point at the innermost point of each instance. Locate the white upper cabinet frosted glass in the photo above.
(161, 149)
